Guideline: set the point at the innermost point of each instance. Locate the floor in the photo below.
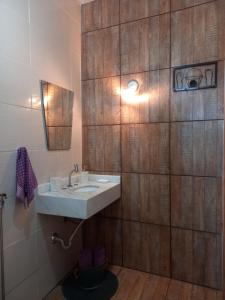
(135, 285)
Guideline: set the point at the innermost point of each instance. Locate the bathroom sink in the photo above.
(87, 188)
(80, 201)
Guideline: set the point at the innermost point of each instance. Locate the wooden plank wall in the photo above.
(169, 147)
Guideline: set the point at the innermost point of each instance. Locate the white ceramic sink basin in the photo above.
(80, 201)
(87, 188)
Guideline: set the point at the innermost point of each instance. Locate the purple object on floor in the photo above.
(26, 181)
(99, 256)
(85, 260)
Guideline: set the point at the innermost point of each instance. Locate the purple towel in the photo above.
(99, 256)
(85, 260)
(26, 181)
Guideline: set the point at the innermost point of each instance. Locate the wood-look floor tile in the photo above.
(155, 288)
(131, 284)
(179, 291)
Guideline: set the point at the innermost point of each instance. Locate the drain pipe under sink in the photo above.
(57, 239)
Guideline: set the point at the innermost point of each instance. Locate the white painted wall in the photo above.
(39, 39)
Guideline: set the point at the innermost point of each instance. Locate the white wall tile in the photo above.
(71, 7)
(18, 82)
(24, 291)
(14, 35)
(39, 39)
(20, 7)
(21, 127)
(7, 173)
(18, 223)
(20, 262)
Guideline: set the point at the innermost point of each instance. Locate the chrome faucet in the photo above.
(75, 170)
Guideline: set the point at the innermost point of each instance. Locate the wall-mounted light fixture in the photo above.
(133, 86)
(130, 93)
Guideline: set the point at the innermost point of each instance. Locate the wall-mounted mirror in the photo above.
(57, 104)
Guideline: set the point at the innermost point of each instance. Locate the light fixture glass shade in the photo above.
(133, 86)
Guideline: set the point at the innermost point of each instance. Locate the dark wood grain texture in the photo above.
(146, 198)
(100, 53)
(145, 44)
(197, 148)
(182, 4)
(145, 148)
(146, 247)
(185, 291)
(101, 101)
(102, 148)
(151, 104)
(99, 14)
(196, 257)
(136, 229)
(221, 24)
(131, 10)
(196, 203)
(105, 232)
(195, 35)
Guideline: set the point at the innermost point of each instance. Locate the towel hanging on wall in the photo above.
(26, 181)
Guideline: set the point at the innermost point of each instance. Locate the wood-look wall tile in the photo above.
(146, 198)
(100, 53)
(197, 148)
(91, 16)
(114, 210)
(151, 104)
(221, 34)
(179, 290)
(145, 148)
(196, 257)
(145, 45)
(200, 104)
(146, 247)
(131, 10)
(105, 232)
(196, 203)
(194, 35)
(101, 101)
(181, 4)
(101, 146)
(99, 14)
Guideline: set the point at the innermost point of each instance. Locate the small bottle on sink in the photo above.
(84, 176)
